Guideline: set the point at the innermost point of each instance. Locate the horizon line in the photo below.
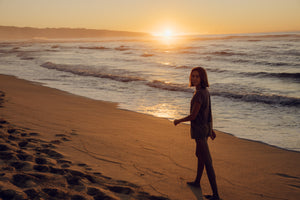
(145, 32)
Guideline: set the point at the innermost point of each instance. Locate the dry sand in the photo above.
(57, 145)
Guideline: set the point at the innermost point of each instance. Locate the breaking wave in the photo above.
(228, 91)
(233, 93)
(169, 86)
(259, 98)
(95, 48)
(283, 75)
(83, 71)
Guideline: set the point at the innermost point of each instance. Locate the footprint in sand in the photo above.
(24, 156)
(24, 180)
(11, 194)
(22, 166)
(30, 165)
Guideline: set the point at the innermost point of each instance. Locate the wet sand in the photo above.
(57, 145)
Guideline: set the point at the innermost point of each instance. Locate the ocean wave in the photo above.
(238, 93)
(4, 51)
(284, 75)
(10, 44)
(188, 52)
(4, 44)
(147, 55)
(169, 86)
(183, 67)
(122, 48)
(240, 60)
(228, 91)
(26, 55)
(83, 71)
(224, 53)
(12, 50)
(235, 92)
(275, 63)
(218, 70)
(95, 48)
(253, 40)
(293, 53)
(249, 94)
(280, 75)
(271, 99)
(22, 54)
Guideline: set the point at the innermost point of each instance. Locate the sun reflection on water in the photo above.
(162, 110)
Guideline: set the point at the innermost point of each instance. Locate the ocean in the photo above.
(254, 78)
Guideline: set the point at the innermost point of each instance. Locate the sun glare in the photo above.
(166, 36)
(167, 33)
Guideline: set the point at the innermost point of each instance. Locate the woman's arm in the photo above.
(192, 116)
(213, 134)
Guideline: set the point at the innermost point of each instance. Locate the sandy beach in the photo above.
(55, 145)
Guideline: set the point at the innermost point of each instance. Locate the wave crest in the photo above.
(295, 76)
(82, 71)
(95, 48)
(245, 94)
(169, 86)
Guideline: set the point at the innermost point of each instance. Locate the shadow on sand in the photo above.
(197, 192)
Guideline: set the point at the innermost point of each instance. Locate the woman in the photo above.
(201, 128)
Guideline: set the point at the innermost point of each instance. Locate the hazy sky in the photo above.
(184, 16)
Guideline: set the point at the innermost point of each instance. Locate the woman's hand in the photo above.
(176, 121)
(213, 135)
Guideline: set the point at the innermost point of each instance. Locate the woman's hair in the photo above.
(203, 77)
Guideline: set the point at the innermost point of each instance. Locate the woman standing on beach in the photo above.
(201, 128)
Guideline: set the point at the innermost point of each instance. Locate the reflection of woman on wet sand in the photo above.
(201, 128)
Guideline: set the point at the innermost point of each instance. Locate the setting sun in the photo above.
(166, 36)
(167, 33)
(169, 36)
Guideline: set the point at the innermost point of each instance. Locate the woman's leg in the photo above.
(200, 166)
(203, 154)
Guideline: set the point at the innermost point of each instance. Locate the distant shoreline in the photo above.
(12, 32)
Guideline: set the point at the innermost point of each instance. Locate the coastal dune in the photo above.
(82, 148)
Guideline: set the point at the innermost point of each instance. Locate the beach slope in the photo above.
(57, 144)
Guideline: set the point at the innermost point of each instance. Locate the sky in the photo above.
(156, 16)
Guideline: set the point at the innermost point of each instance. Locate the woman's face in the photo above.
(195, 78)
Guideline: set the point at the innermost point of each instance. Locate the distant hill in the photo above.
(11, 32)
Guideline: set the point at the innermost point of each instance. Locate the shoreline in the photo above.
(150, 152)
(120, 108)
(230, 134)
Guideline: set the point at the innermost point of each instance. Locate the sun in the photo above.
(167, 33)
(166, 36)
